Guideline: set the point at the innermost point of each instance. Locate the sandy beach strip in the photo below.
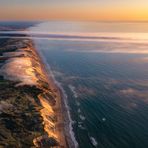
(64, 123)
(59, 126)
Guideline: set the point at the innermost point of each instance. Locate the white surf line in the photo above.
(71, 132)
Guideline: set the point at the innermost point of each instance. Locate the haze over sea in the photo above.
(103, 68)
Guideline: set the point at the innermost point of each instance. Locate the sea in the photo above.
(102, 68)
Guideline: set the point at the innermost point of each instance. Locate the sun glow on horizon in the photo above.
(107, 10)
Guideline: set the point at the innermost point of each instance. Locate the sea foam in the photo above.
(93, 141)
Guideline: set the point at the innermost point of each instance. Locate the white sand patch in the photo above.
(19, 69)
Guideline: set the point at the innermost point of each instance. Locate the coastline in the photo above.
(22, 70)
(21, 121)
(58, 108)
(64, 114)
(38, 70)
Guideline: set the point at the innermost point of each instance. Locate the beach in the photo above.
(24, 67)
(58, 108)
(64, 124)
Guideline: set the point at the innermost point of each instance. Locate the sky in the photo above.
(100, 10)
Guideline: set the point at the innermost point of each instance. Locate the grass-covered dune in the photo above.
(27, 101)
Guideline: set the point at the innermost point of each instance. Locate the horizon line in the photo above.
(73, 20)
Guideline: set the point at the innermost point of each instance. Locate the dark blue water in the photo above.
(107, 92)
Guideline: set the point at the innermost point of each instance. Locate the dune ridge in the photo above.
(24, 67)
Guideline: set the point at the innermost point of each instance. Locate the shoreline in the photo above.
(66, 117)
(23, 66)
(63, 131)
(52, 85)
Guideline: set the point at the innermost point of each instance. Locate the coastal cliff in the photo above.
(28, 101)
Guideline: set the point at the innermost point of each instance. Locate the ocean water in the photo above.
(103, 69)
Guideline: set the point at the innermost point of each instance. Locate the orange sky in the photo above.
(108, 10)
